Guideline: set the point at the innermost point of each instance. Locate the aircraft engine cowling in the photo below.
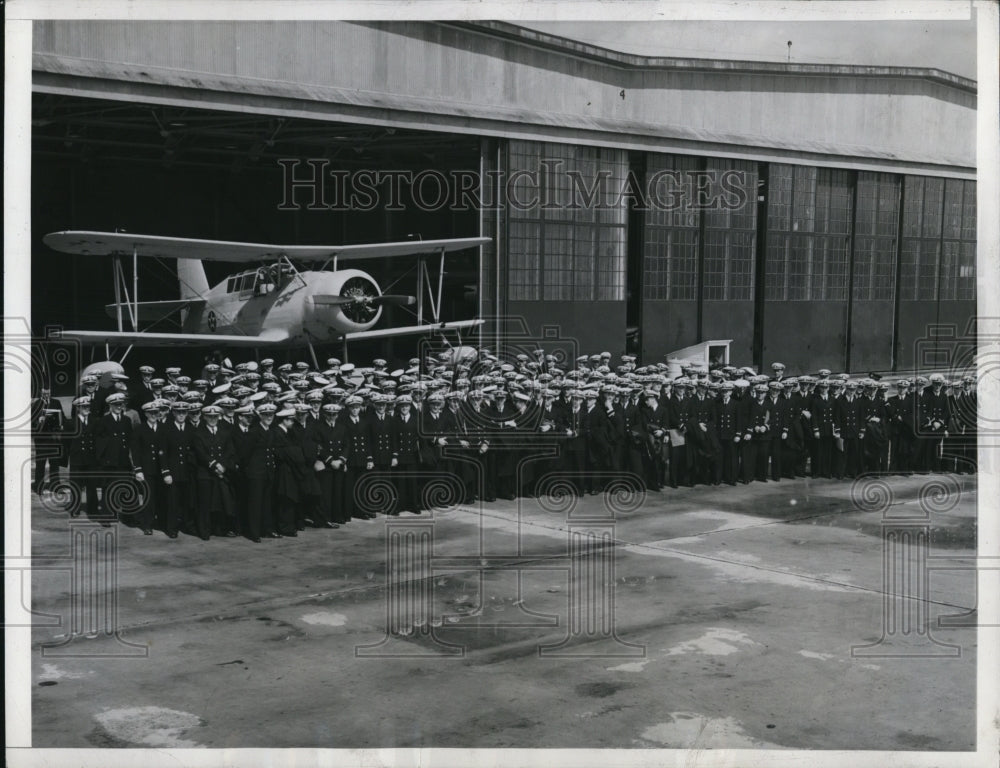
(341, 302)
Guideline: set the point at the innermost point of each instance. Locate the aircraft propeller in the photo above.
(359, 302)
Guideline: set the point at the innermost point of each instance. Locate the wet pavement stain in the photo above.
(101, 738)
(601, 690)
(917, 740)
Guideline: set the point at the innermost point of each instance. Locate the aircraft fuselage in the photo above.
(255, 302)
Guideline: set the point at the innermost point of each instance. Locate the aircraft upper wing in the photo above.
(140, 339)
(125, 243)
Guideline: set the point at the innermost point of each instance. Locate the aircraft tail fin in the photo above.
(191, 275)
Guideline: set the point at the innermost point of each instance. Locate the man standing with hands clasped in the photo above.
(216, 460)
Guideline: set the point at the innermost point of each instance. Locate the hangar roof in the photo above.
(496, 79)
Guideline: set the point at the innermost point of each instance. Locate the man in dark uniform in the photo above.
(793, 449)
(324, 448)
(756, 436)
(729, 432)
(88, 388)
(550, 416)
(437, 428)
(823, 420)
(779, 427)
(47, 421)
(382, 444)
(875, 444)
(113, 437)
(146, 453)
(502, 416)
(678, 407)
(460, 461)
(636, 448)
(965, 409)
(935, 417)
(142, 391)
(357, 455)
(703, 442)
(178, 469)
(407, 452)
(807, 391)
(526, 438)
(215, 457)
(901, 411)
(289, 460)
(480, 426)
(239, 483)
(575, 424)
(850, 429)
(654, 419)
(306, 419)
(259, 466)
(80, 451)
(607, 436)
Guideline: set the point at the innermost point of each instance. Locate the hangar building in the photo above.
(821, 215)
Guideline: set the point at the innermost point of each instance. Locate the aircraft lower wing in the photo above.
(410, 330)
(268, 338)
(175, 339)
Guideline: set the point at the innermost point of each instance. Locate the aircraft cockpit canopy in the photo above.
(260, 281)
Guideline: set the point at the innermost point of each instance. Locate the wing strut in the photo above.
(423, 276)
(121, 287)
(116, 267)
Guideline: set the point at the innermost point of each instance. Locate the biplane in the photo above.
(284, 295)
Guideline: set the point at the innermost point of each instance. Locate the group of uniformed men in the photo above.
(263, 451)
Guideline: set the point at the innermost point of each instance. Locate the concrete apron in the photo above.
(735, 611)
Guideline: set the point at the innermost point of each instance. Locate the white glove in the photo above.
(703, 427)
(168, 480)
(736, 439)
(484, 448)
(464, 443)
(370, 465)
(318, 465)
(394, 462)
(139, 477)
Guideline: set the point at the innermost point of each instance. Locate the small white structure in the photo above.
(702, 354)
